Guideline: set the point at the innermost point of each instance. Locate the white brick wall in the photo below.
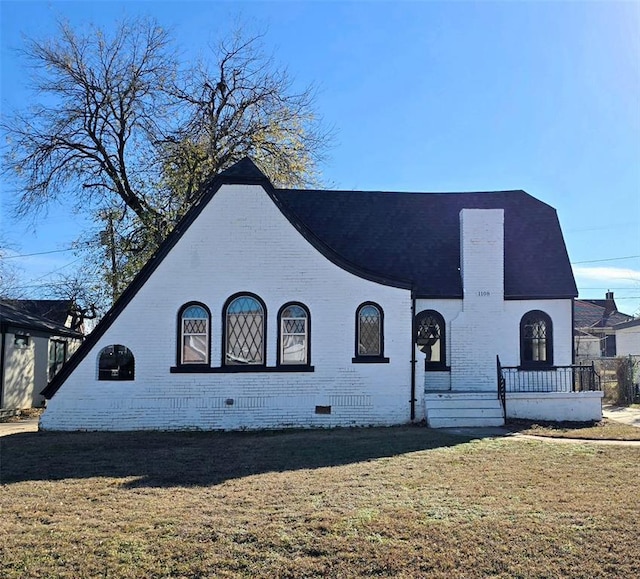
(241, 242)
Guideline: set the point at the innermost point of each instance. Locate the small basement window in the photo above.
(116, 362)
(21, 340)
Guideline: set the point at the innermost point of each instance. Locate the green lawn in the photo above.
(397, 502)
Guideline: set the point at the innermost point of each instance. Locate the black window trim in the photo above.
(118, 379)
(537, 364)
(223, 353)
(441, 365)
(363, 358)
(279, 362)
(180, 340)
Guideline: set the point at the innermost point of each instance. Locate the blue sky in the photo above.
(424, 96)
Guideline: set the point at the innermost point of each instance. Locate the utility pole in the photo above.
(108, 238)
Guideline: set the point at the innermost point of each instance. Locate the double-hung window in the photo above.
(194, 331)
(294, 347)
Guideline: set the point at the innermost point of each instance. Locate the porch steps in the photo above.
(452, 410)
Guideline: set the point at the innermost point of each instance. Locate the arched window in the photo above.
(244, 330)
(369, 333)
(194, 321)
(293, 337)
(430, 339)
(116, 362)
(536, 339)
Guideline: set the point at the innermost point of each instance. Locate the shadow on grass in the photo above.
(161, 459)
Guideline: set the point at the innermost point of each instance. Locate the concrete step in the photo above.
(451, 410)
(464, 423)
(466, 412)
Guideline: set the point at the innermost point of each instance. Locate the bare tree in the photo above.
(94, 139)
(81, 290)
(10, 282)
(124, 130)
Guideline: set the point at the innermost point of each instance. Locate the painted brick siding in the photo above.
(241, 242)
(482, 269)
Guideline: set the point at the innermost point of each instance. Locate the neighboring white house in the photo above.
(275, 308)
(628, 338)
(35, 341)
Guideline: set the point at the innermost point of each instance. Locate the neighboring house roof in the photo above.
(596, 314)
(54, 310)
(409, 240)
(632, 323)
(18, 318)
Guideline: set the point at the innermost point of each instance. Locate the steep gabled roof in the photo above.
(409, 240)
(21, 319)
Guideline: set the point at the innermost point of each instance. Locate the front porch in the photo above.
(559, 393)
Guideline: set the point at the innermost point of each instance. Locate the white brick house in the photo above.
(274, 308)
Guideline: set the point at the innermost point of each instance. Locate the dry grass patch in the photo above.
(398, 502)
(602, 430)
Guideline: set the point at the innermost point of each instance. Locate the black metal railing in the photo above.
(575, 378)
(502, 389)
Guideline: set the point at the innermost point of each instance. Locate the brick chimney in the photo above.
(609, 304)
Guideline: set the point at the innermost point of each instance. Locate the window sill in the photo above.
(370, 360)
(239, 369)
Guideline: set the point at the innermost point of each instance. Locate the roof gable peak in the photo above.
(244, 171)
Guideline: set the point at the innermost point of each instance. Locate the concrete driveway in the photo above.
(28, 425)
(624, 414)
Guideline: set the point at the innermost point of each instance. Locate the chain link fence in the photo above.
(619, 378)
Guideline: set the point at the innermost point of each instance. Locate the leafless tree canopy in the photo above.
(126, 133)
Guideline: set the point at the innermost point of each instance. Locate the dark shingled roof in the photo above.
(409, 240)
(593, 314)
(54, 310)
(415, 237)
(19, 318)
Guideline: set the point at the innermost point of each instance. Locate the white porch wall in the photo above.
(555, 406)
(242, 242)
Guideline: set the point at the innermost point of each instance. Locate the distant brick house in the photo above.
(595, 323)
(36, 338)
(274, 308)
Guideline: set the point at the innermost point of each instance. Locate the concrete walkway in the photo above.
(624, 414)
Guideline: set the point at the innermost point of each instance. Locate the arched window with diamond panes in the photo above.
(369, 332)
(430, 339)
(536, 339)
(194, 322)
(293, 337)
(245, 318)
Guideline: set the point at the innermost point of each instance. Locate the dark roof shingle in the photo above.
(10, 315)
(415, 237)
